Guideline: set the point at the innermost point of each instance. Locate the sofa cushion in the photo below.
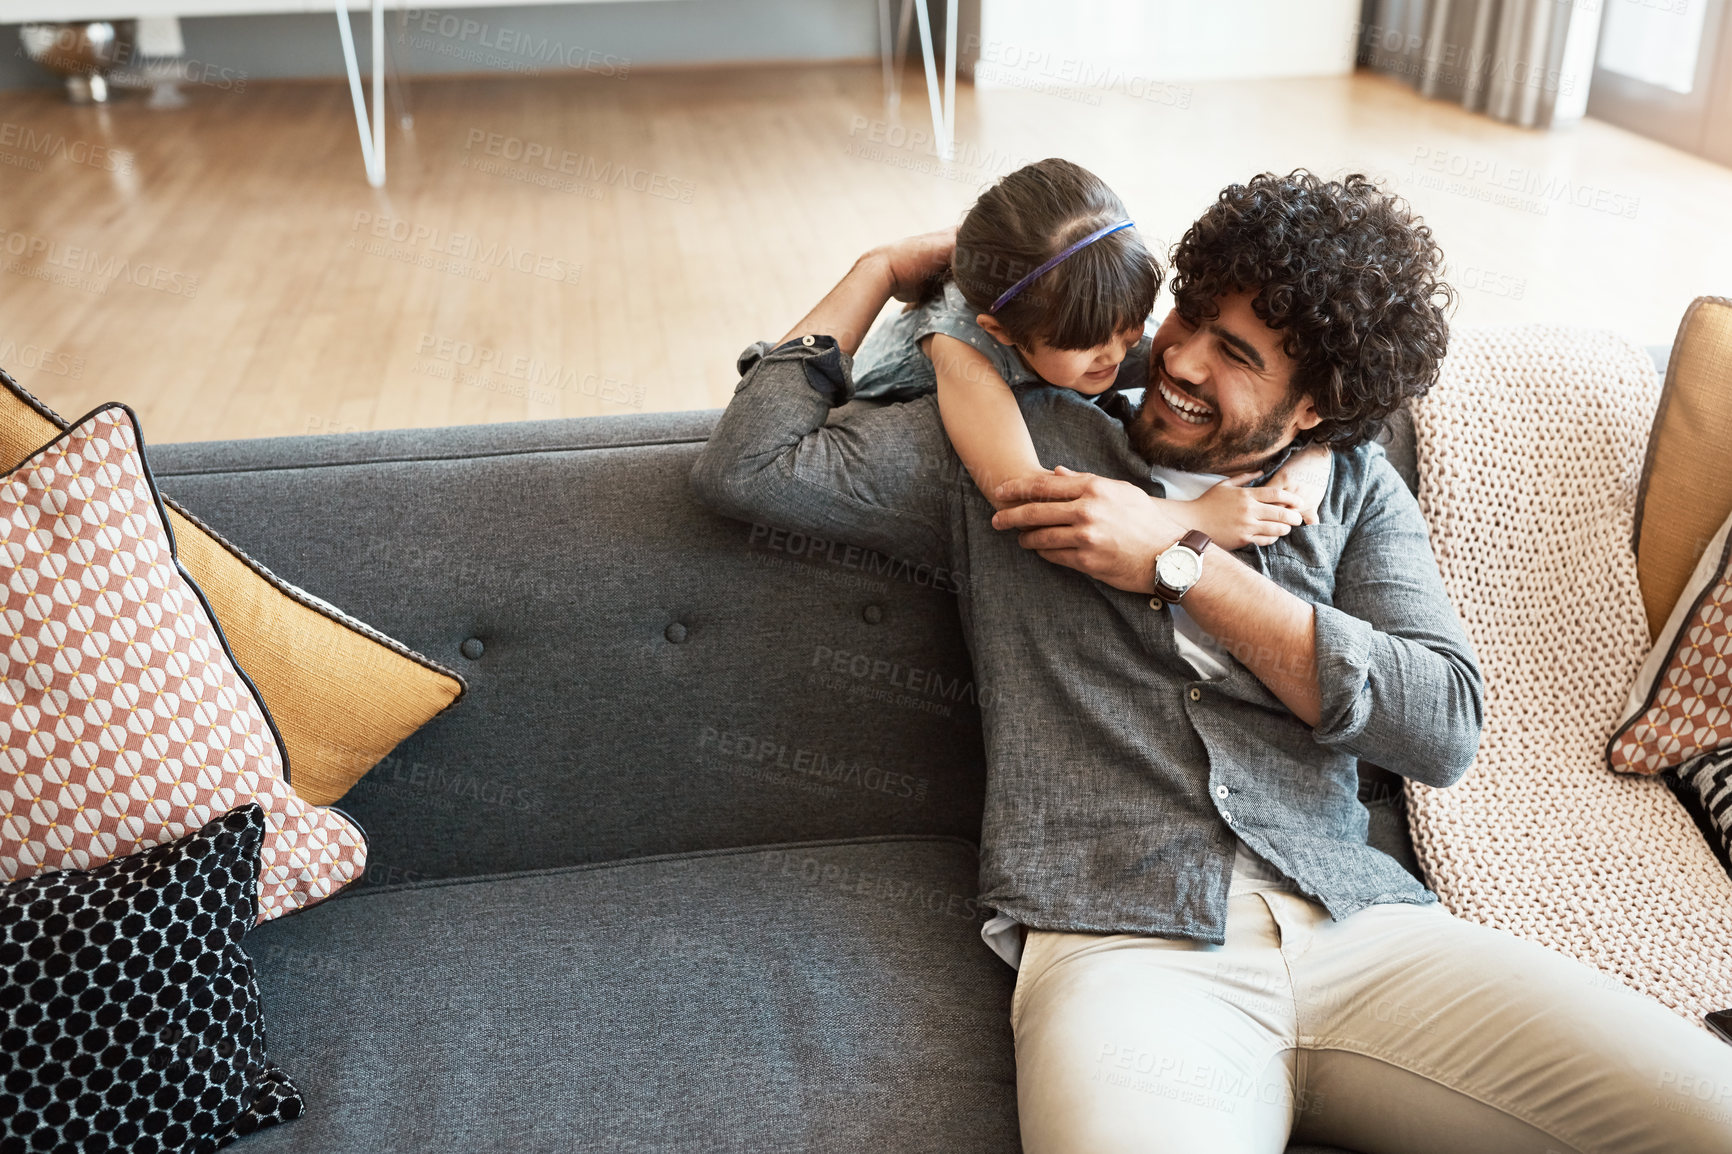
(342, 694)
(129, 1014)
(123, 718)
(645, 677)
(829, 996)
(1704, 784)
(1680, 703)
(1680, 503)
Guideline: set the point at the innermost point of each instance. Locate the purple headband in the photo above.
(1007, 294)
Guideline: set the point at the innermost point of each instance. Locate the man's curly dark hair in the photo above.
(1346, 271)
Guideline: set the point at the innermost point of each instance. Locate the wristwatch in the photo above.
(1180, 567)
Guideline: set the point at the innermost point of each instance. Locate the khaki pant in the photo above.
(1399, 1030)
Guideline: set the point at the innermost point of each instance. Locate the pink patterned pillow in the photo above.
(124, 721)
(1680, 705)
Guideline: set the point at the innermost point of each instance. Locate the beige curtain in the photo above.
(1527, 62)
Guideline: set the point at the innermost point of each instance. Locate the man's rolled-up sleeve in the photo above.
(1398, 680)
(879, 477)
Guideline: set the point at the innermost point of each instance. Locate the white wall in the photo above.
(1162, 40)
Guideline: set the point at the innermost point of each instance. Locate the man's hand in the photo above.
(897, 270)
(914, 260)
(1113, 531)
(1110, 530)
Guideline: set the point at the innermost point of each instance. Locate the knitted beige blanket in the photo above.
(1530, 449)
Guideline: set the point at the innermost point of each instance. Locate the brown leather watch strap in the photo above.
(1196, 541)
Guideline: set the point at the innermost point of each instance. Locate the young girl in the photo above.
(1050, 285)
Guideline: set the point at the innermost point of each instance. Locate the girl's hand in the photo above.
(1234, 516)
(1306, 474)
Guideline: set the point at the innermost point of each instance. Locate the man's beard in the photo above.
(1222, 450)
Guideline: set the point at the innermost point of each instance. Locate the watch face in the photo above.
(1179, 568)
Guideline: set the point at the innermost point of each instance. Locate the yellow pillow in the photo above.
(1686, 489)
(342, 694)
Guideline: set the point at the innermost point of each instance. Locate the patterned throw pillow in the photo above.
(129, 1015)
(124, 722)
(1708, 779)
(1681, 703)
(342, 694)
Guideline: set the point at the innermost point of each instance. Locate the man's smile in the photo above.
(1184, 407)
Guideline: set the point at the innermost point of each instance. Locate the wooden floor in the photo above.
(568, 246)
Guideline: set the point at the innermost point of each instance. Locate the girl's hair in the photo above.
(1025, 219)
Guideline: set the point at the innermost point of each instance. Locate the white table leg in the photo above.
(940, 118)
(373, 158)
(885, 44)
(379, 83)
(904, 27)
(950, 7)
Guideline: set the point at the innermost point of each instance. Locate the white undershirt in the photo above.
(1250, 872)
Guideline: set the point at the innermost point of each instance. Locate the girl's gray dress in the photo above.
(891, 367)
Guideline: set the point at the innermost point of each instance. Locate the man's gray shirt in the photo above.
(1116, 777)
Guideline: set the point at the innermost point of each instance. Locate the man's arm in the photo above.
(1267, 629)
(897, 270)
(1386, 673)
(877, 478)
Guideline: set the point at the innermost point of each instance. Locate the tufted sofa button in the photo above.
(472, 649)
(675, 633)
(872, 614)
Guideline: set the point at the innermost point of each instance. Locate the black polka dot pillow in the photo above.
(129, 1015)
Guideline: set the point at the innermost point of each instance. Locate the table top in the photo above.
(62, 11)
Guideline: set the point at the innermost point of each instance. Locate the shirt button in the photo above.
(1221, 791)
(1226, 817)
(1196, 694)
(808, 341)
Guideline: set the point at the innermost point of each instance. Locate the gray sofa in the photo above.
(692, 865)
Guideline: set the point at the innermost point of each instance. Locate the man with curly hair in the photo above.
(1210, 956)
